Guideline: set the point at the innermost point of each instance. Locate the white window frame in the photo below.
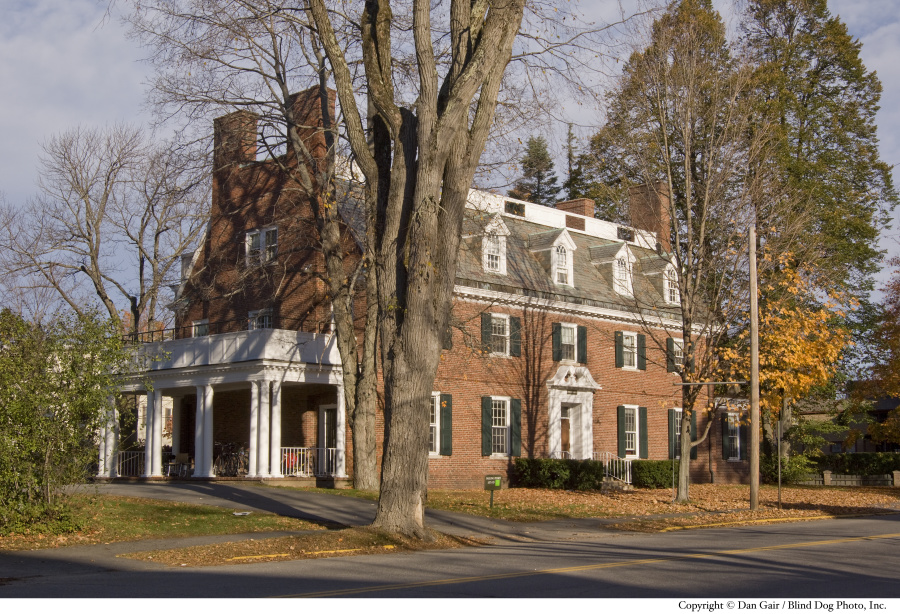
(253, 319)
(635, 412)
(734, 433)
(434, 425)
(489, 241)
(678, 352)
(634, 354)
(267, 239)
(505, 336)
(677, 443)
(671, 293)
(501, 432)
(562, 266)
(200, 328)
(564, 326)
(623, 275)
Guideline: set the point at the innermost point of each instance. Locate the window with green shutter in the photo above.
(446, 409)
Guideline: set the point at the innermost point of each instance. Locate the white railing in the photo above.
(309, 462)
(130, 464)
(614, 467)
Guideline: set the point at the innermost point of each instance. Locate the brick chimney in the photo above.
(234, 139)
(307, 106)
(581, 206)
(649, 210)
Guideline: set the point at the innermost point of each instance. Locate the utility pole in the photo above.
(754, 377)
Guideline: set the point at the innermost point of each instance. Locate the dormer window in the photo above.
(493, 246)
(670, 287)
(623, 276)
(562, 265)
(494, 254)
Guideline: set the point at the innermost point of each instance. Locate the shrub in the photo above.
(558, 473)
(860, 463)
(653, 473)
(793, 468)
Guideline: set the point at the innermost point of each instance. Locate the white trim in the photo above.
(436, 406)
(508, 401)
(637, 431)
(502, 316)
(676, 445)
(630, 335)
(263, 253)
(574, 329)
(668, 272)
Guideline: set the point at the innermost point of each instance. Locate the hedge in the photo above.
(860, 463)
(554, 473)
(653, 473)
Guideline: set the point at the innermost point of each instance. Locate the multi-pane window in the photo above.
(567, 336)
(678, 352)
(262, 245)
(434, 419)
(492, 253)
(562, 265)
(733, 437)
(499, 334)
(631, 431)
(629, 350)
(623, 276)
(259, 319)
(200, 328)
(499, 426)
(672, 293)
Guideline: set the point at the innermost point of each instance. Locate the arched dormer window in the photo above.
(671, 292)
(493, 246)
(623, 276)
(562, 265)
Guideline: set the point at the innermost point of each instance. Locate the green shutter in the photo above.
(620, 358)
(644, 452)
(485, 426)
(582, 344)
(515, 336)
(515, 427)
(556, 336)
(446, 447)
(620, 433)
(486, 332)
(673, 416)
(670, 356)
(642, 352)
(693, 433)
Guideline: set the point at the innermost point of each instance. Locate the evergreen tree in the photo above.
(813, 87)
(538, 183)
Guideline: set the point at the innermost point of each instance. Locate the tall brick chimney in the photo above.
(649, 210)
(581, 206)
(307, 106)
(234, 139)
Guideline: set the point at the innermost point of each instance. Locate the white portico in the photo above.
(571, 411)
(275, 395)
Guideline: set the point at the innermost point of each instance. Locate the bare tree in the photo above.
(114, 214)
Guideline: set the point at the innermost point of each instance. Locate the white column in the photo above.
(254, 430)
(176, 425)
(208, 431)
(340, 436)
(157, 433)
(148, 434)
(198, 432)
(275, 427)
(108, 439)
(264, 445)
(587, 425)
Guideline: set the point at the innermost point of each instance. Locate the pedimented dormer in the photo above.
(555, 249)
(663, 275)
(620, 259)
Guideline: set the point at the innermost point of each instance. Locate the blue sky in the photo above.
(66, 64)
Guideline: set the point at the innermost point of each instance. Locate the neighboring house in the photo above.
(547, 355)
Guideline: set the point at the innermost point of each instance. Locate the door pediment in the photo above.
(572, 377)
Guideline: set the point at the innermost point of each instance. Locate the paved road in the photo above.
(852, 558)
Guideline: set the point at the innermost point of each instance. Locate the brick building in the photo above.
(564, 341)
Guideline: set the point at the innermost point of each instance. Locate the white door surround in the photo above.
(572, 387)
